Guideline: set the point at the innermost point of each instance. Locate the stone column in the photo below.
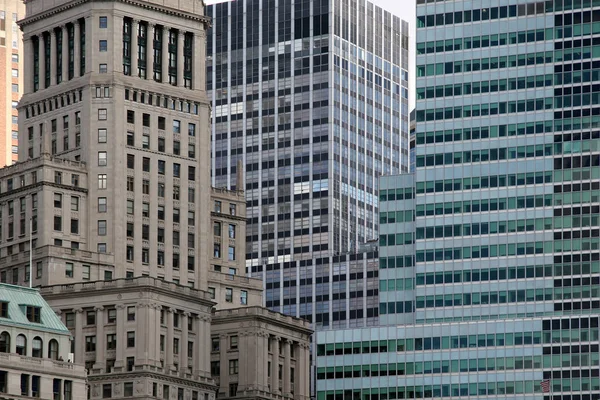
(153, 331)
(199, 351)
(287, 358)
(134, 47)
(183, 352)
(207, 343)
(100, 339)
(89, 56)
(65, 53)
(169, 340)
(158, 309)
(143, 331)
(121, 337)
(42, 61)
(117, 45)
(263, 352)
(28, 81)
(76, 48)
(180, 58)
(224, 370)
(53, 57)
(165, 54)
(79, 339)
(301, 370)
(275, 363)
(198, 61)
(150, 49)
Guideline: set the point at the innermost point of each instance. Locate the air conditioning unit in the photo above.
(71, 357)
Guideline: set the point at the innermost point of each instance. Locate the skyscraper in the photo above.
(11, 68)
(489, 276)
(312, 97)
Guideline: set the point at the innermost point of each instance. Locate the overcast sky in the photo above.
(405, 9)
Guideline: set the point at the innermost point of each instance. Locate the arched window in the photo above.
(36, 347)
(53, 349)
(4, 342)
(22, 345)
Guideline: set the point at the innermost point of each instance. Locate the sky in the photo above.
(405, 9)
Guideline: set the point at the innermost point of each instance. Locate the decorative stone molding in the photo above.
(78, 310)
(120, 306)
(99, 308)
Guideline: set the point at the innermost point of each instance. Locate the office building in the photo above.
(35, 349)
(11, 70)
(489, 269)
(312, 97)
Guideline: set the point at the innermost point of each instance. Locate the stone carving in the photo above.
(139, 386)
(117, 389)
(96, 390)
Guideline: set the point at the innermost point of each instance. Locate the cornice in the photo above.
(119, 377)
(228, 216)
(145, 5)
(40, 184)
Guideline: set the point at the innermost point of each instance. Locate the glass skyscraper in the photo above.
(312, 97)
(490, 251)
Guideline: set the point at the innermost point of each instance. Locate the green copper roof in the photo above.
(18, 298)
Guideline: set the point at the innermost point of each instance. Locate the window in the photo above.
(130, 184)
(176, 215)
(233, 387)
(191, 195)
(107, 390)
(102, 249)
(15, 73)
(74, 226)
(57, 200)
(161, 145)
(90, 318)
(112, 315)
(90, 343)
(191, 241)
(191, 151)
(103, 22)
(3, 309)
(74, 203)
(161, 123)
(130, 229)
(233, 367)
(191, 218)
(217, 229)
(85, 273)
(102, 135)
(130, 117)
(176, 126)
(130, 363)
(102, 228)
(102, 114)
(102, 160)
(217, 250)
(231, 231)
(175, 346)
(146, 210)
(244, 297)
(145, 141)
(69, 270)
(229, 295)
(145, 186)
(129, 256)
(146, 164)
(233, 342)
(161, 190)
(130, 339)
(176, 170)
(130, 207)
(103, 45)
(161, 167)
(231, 253)
(217, 206)
(38, 269)
(215, 368)
(103, 68)
(130, 138)
(21, 345)
(190, 349)
(111, 341)
(57, 223)
(101, 204)
(131, 313)
(232, 209)
(15, 88)
(161, 213)
(102, 181)
(176, 147)
(192, 173)
(128, 389)
(192, 129)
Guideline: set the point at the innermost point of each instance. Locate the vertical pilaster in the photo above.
(76, 49)
(169, 339)
(275, 364)
(121, 336)
(200, 352)
(53, 61)
(158, 334)
(180, 58)
(89, 56)
(65, 54)
(183, 352)
(100, 339)
(135, 30)
(79, 339)
(165, 54)
(264, 354)
(198, 61)
(224, 370)
(141, 340)
(42, 61)
(287, 357)
(150, 51)
(28, 50)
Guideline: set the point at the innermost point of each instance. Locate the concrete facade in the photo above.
(11, 70)
(34, 349)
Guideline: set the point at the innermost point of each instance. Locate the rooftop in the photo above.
(23, 307)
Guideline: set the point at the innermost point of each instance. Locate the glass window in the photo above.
(103, 22)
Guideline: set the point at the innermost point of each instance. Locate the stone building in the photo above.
(34, 349)
(142, 337)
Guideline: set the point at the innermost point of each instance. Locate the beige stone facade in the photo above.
(257, 353)
(35, 349)
(11, 71)
(141, 337)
